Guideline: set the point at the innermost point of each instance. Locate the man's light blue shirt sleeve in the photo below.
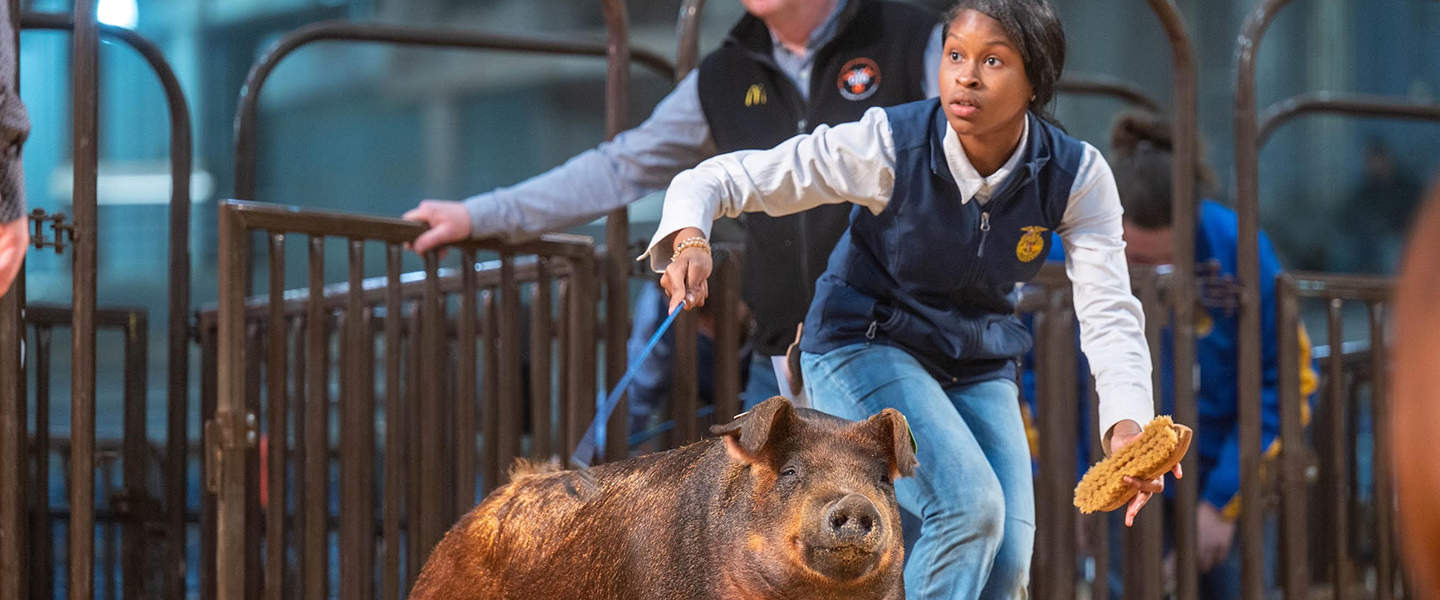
(613, 175)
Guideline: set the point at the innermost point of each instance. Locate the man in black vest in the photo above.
(786, 67)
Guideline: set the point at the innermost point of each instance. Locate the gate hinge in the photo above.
(225, 432)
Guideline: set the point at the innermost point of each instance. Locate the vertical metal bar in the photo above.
(136, 455)
(254, 518)
(1339, 461)
(276, 413)
(209, 505)
(414, 469)
(564, 435)
(1098, 523)
(465, 397)
(1295, 577)
(540, 338)
(394, 428)
(298, 407)
(315, 557)
(727, 335)
(1066, 408)
(582, 353)
(1182, 288)
(365, 545)
(1044, 528)
(1143, 548)
(107, 550)
(509, 324)
(230, 407)
(685, 387)
(42, 565)
(1384, 483)
(687, 46)
(85, 44)
(1248, 380)
(617, 226)
(178, 352)
(430, 457)
(490, 414)
(12, 443)
(356, 423)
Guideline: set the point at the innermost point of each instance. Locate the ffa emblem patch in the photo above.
(859, 79)
(1203, 323)
(1031, 244)
(754, 95)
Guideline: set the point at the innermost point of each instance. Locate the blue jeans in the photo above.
(760, 384)
(972, 489)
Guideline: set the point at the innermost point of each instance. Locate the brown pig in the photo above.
(786, 503)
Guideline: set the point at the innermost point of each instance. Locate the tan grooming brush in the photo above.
(1160, 447)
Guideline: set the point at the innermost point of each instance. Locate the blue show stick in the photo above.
(585, 451)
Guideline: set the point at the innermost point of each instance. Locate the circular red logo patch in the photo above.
(859, 79)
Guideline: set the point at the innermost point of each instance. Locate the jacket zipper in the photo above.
(984, 232)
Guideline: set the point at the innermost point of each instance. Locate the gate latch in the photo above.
(226, 432)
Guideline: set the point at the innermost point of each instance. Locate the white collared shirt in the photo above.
(855, 163)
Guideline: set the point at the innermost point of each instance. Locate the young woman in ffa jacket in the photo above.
(954, 201)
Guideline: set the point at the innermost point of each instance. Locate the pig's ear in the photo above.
(894, 432)
(749, 432)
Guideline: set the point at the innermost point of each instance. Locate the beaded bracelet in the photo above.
(691, 242)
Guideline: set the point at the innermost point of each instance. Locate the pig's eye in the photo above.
(789, 472)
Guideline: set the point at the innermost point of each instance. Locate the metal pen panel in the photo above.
(616, 266)
(209, 504)
(414, 401)
(1295, 576)
(565, 438)
(276, 412)
(541, 336)
(357, 420)
(314, 557)
(1248, 380)
(84, 59)
(132, 506)
(1182, 289)
(42, 567)
(465, 394)
(1342, 570)
(490, 423)
(395, 438)
(1384, 481)
(511, 408)
(431, 478)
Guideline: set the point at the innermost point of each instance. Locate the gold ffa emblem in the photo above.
(754, 95)
(1031, 244)
(1204, 324)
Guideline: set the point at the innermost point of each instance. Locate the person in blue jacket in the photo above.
(1141, 158)
(953, 201)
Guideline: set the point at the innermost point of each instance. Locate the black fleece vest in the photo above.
(875, 59)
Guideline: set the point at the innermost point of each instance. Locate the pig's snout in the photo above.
(852, 519)
(847, 540)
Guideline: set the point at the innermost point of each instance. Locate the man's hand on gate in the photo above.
(448, 221)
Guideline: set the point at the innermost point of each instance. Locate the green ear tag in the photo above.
(914, 446)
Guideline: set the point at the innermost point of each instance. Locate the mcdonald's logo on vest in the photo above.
(754, 95)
